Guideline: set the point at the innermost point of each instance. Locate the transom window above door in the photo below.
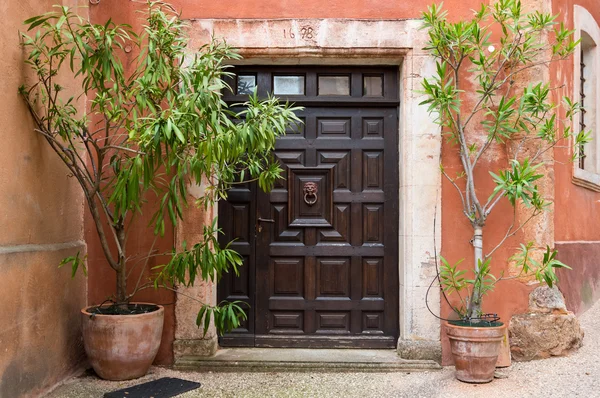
(315, 83)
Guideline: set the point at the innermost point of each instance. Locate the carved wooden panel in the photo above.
(333, 128)
(373, 170)
(287, 276)
(333, 322)
(372, 323)
(310, 209)
(287, 322)
(286, 158)
(372, 277)
(323, 263)
(341, 225)
(333, 277)
(373, 223)
(341, 170)
(372, 127)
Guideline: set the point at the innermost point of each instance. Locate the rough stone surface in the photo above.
(548, 329)
(420, 350)
(198, 347)
(537, 335)
(545, 299)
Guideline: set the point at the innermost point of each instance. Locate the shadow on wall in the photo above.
(581, 285)
(39, 322)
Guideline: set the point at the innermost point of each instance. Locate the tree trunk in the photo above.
(122, 284)
(474, 309)
(122, 270)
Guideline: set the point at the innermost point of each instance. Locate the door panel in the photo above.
(326, 270)
(237, 219)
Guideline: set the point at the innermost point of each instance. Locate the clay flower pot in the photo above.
(475, 351)
(122, 347)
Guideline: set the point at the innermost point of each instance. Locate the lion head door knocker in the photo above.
(310, 193)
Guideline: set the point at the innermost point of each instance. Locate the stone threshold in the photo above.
(303, 360)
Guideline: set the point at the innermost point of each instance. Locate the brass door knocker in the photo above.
(310, 193)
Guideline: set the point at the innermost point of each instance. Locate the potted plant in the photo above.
(153, 125)
(479, 100)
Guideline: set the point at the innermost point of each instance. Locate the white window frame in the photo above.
(584, 21)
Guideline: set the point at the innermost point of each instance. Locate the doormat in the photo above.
(165, 387)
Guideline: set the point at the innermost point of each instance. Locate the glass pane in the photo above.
(334, 85)
(373, 86)
(245, 84)
(288, 85)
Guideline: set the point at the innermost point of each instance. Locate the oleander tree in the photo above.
(478, 99)
(152, 126)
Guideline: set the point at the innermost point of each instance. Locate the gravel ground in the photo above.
(572, 376)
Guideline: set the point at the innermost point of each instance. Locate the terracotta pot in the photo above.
(475, 351)
(122, 347)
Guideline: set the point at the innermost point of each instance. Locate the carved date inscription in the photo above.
(306, 32)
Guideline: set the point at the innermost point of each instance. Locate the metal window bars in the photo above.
(582, 88)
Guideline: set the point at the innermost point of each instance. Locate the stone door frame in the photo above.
(348, 42)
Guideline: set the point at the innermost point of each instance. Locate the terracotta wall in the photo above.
(41, 214)
(573, 221)
(101, 279)
(577, 219)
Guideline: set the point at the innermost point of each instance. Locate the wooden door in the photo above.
(321, 249)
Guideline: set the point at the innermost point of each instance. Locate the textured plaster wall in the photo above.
(41, 214)
(574, 219)
(577, 217)
(189, 339)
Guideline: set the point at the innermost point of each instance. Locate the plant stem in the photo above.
(474, 308)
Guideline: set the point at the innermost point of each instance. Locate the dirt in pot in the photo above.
(476, 323)
(123, 309)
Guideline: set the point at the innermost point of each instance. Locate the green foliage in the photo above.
(452, 280)
(205, 258)
(517, 184)
(544, 270)
(155, 123)
(484, 281)
(76, 261)
(227, 316)
(497, 48)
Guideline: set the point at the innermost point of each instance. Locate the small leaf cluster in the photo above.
(76, 261)
(228, 315)
(516, 184)
(452, 280)
(545, 270)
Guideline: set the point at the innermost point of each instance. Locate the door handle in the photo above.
(259, 220)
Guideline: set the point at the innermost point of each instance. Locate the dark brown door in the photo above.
(321, 249)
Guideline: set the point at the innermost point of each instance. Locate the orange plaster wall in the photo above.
(577, 220)
(509, 297)
(101, 277)
(41, 214)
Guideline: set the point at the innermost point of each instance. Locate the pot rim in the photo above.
(446, 323)
(85, 311)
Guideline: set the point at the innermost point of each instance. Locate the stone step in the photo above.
(303, 360)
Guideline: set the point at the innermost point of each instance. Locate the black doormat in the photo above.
(161, 388)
